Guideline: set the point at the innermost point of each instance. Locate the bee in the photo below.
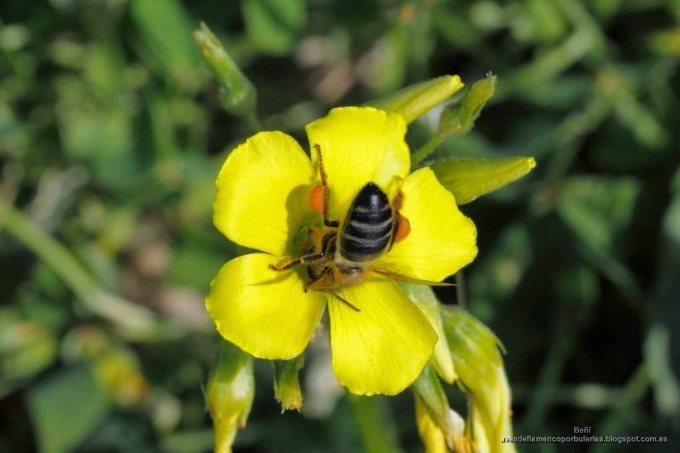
(342, 255)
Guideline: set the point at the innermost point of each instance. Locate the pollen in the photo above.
(317, 198)
(403, 229)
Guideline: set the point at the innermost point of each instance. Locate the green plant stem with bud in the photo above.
(428, 388)
(229, 406)
(428, 148)
(229, 394)
(377, 433)
(415, 100)
(458, 118)
(237, 93)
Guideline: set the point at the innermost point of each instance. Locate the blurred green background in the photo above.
(111, 135)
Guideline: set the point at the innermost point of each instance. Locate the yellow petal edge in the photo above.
(262, 192)
(264, 312)
(442, 240)
(382, 348)
(359, 145)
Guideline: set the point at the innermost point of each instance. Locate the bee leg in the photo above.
(323, 282)
(285, 265)
(324, 189)
(345, 301)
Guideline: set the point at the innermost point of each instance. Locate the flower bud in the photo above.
(237, 92)
(468, 178)
(229, 394)
(459, 118)
(479, 365)
(430, 394)
(287, 383)
(26, 348)
(119, 372)
(415, 100)
(425, 299)
(432, 437)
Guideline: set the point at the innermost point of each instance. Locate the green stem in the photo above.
(134, 320)
(565, 137)
(460, 290)
(635, 389)
(427, 149)
(254, 121)
(550, 374)
(50, 251)
(375, 427)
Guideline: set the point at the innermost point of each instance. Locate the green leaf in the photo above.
(273, 25)
(598, 210)
(613, 84)
(165, 30)
(663, 337)
(497, 276)
(657, 350)
(192, 261)
(65, 409)
(666, 42)
(546, 19)
(99, 133)
(390, 54)
(468, 178)
(415, 100)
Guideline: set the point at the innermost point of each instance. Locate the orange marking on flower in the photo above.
(317, 199)
(403, 229)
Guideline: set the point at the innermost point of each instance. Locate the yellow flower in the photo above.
(380, 340)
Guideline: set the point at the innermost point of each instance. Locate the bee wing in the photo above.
(404, 278)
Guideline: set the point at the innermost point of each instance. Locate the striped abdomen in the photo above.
(368, 227)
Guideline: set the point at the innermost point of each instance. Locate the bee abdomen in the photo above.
(367, 230)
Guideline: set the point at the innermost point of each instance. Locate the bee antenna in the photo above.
(353, 307)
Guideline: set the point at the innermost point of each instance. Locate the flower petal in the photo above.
(262, 192)
(359, 145)
(383, 347)
(264, 312)
(441, 241)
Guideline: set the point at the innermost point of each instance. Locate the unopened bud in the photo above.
(230, 394)
(430, 394)
(479, 365)
(415, 100)
(459, 118)
(118, 370)
(287, 383)
(432, 437)
(237, 92)
(468, 178)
